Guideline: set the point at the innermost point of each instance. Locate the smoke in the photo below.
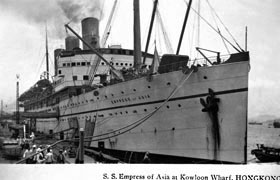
(77, 10)
(53, 12)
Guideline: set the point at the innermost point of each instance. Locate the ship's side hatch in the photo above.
(172, 62)
(89, 129)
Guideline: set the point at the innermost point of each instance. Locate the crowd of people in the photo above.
(41, 155)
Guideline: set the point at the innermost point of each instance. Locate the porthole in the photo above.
(95, 93)
(204, 77)
(122, 92)
(106, 97)
(145, 110)
(168, 84)
(179, 105)
(149, 87)
(167, 107)
(134, 89)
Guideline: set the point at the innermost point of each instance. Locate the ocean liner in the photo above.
(130, 102)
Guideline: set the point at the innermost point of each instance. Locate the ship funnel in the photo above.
(90, 32)
(71, 43)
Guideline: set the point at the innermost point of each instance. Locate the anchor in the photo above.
(210, 105)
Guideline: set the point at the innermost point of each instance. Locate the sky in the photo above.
(23, 23)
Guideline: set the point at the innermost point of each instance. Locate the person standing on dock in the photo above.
(26, 154)
(39, 157)
(49, 157)
(60, 158)
(33, 151)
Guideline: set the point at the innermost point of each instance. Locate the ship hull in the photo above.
(164, 115)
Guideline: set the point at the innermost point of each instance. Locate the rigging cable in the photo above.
(214, 29)
(164, 32)
(220, 33)
(224, 25)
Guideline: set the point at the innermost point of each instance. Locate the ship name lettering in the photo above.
(160, 176)
(130, 177)
(195, 177)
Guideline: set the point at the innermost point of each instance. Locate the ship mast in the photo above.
(17, 102)
(183, 28)
(137, 36)
(150, 30)
(47, 54)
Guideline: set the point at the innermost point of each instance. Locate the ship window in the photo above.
(126, 64)
(83, 63)
(134, 111)
(179, 105)
(167, 107)
(122, 92)
(121, 64)
(59, 71)
(73, 64)
(111, 63)
(149, 87)
(75, 78)
(134, 89)
(78, 63)
(117, 64)
(64, 64)
(127, 52)
(168, 84)
(88, 63)
(68, 64)
(145, 110)
(102, 63)
(130, 64)
(85, 77)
